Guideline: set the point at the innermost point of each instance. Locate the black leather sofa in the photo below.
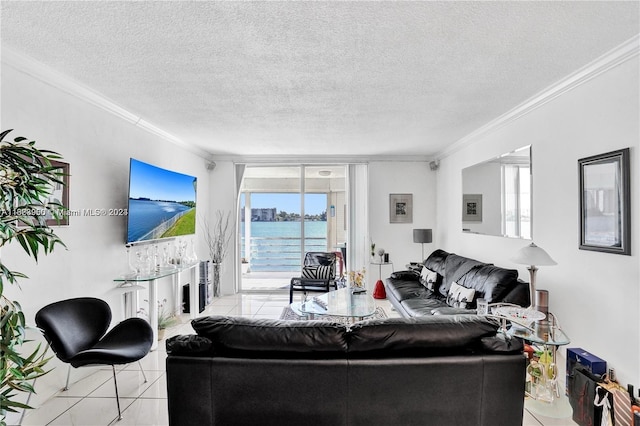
(437, 370)
(411, 298)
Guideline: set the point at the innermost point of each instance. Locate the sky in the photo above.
(290, 203)
(155, 183)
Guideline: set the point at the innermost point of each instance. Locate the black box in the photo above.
(592, 363)
(186, 308)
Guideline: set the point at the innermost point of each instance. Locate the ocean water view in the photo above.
(275, 246)
(147, 215)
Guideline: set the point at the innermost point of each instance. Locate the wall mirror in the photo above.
(496, 196)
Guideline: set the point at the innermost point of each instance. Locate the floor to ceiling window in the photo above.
(286, 211)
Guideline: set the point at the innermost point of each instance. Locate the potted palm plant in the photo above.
(166, 319)
(27, 176)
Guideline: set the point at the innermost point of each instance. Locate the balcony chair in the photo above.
(76, 330)
(318, 274)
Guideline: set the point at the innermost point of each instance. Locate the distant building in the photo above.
(262, 215)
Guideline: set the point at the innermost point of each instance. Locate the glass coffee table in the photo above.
(340, 303)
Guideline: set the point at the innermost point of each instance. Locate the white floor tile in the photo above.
(49, 411)
(88, 384)
(92, 412)
(131, 384)
(152, 412)
(157, 390)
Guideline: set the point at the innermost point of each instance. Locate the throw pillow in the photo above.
(318, 272)
(428, 278)
(459, 296)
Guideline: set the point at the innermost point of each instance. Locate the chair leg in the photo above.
(142, 371)
(66, 386)
(115, 382)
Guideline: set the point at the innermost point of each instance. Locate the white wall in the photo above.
(223, 198)
(596, 296)
(97, 145)
(397, 238)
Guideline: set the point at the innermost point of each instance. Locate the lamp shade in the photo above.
(422, 236)
(531, 255)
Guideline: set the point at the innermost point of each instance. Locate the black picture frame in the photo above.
(605, 202)
(400, 208)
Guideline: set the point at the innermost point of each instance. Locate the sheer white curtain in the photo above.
(239, 176)
(358, 214)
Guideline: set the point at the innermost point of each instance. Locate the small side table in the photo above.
(380, 265)
(379, 291)
(546, 399)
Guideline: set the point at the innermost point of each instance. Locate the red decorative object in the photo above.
(379, 292)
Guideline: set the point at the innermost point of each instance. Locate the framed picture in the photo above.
(60, 195)
(401, 208)
(605, 209)
(472, 207)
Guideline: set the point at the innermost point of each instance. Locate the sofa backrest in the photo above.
(428, 336)
(391, 337)
(490, 282)
(232, 336)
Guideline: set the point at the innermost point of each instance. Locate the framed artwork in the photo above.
(60, 195)
(605, 209)
(472, 207)
(400, 208)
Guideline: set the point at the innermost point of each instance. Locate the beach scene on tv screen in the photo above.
(162, 203)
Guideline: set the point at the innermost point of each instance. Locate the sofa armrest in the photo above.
(405, 275)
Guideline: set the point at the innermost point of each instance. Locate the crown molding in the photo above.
(618, 55)
(60, 81)
(271, 159)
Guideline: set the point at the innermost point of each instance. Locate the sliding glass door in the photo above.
(287, 211)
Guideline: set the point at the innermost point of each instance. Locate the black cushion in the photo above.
(431, 332)
(490, 282)
(502, 344)
(405, 275)
(231, 334)
(436, 261)
(419, 307)
(405, 289)
(189, 344)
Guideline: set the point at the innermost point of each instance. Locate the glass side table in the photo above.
(544, 393)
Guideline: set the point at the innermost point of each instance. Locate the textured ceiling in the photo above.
(317, 78)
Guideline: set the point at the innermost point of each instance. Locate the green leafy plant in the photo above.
(166, 318)
(26, 179)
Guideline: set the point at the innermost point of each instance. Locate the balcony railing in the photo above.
(280, 254)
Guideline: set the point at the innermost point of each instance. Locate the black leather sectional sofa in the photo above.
(412, 298)
(436, 370)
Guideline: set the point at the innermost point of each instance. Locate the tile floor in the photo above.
(91, 400)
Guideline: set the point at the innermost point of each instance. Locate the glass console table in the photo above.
(130, 284)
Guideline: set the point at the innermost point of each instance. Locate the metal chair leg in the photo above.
(141, 370)
(115, 382)
(66, 386)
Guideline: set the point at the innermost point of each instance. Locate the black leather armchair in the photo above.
(76, 330)
(318, 274)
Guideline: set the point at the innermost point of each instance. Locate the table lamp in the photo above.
(533, 255)
(422, 236)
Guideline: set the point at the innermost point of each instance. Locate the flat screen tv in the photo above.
(162, 203)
